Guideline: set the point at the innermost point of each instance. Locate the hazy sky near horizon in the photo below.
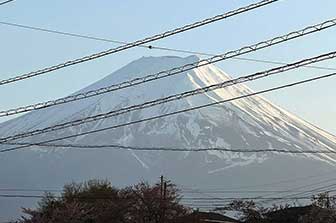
(25, 50)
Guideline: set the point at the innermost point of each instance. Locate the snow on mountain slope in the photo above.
(249, 123)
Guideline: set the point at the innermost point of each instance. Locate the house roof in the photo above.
(291, 214)
(210, 217)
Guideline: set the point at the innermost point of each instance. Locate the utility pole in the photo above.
(164, 201)
(196, 217)
(161, 199)
(161, 189)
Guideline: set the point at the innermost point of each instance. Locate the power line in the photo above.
(282, 63)
(174, 71)
(68, 33)
(171, 149)
(193, 191)
(218, 200)
(5, 2)
(243, 192)
(245, 198)
(188, 198)
(291, 180)
(150, 46)
(308, 185)
(210, 201)
(198, 191)
(308, 193)
(315, 189)
(171, 98)
(169, 114)
(29, 190)
(295, 196)
(205, 192)
(329, 188)
(305, 186)
(324, 173)
(241, 58)
(139, 42)
(20, 196)
(272, 193)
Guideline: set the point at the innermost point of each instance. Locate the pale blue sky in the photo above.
(24, 50)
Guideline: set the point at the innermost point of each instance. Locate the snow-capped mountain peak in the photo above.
(249, 123)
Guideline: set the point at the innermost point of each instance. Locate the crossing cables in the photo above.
(168, 114)
(174, 71)
(138, 42)
(174, 97)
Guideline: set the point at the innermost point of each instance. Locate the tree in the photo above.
(99, 202)
(150, 205)
(323, 209)
(247, 211)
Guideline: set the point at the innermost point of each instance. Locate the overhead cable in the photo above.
(5, 2)
(171, 98)
(147, 46)
(171, 149)
(168, 114)
(189, 198)
(173, 71)
(138, 42)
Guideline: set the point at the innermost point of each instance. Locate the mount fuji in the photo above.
(249, 123)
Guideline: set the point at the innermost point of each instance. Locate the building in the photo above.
(206, 217)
